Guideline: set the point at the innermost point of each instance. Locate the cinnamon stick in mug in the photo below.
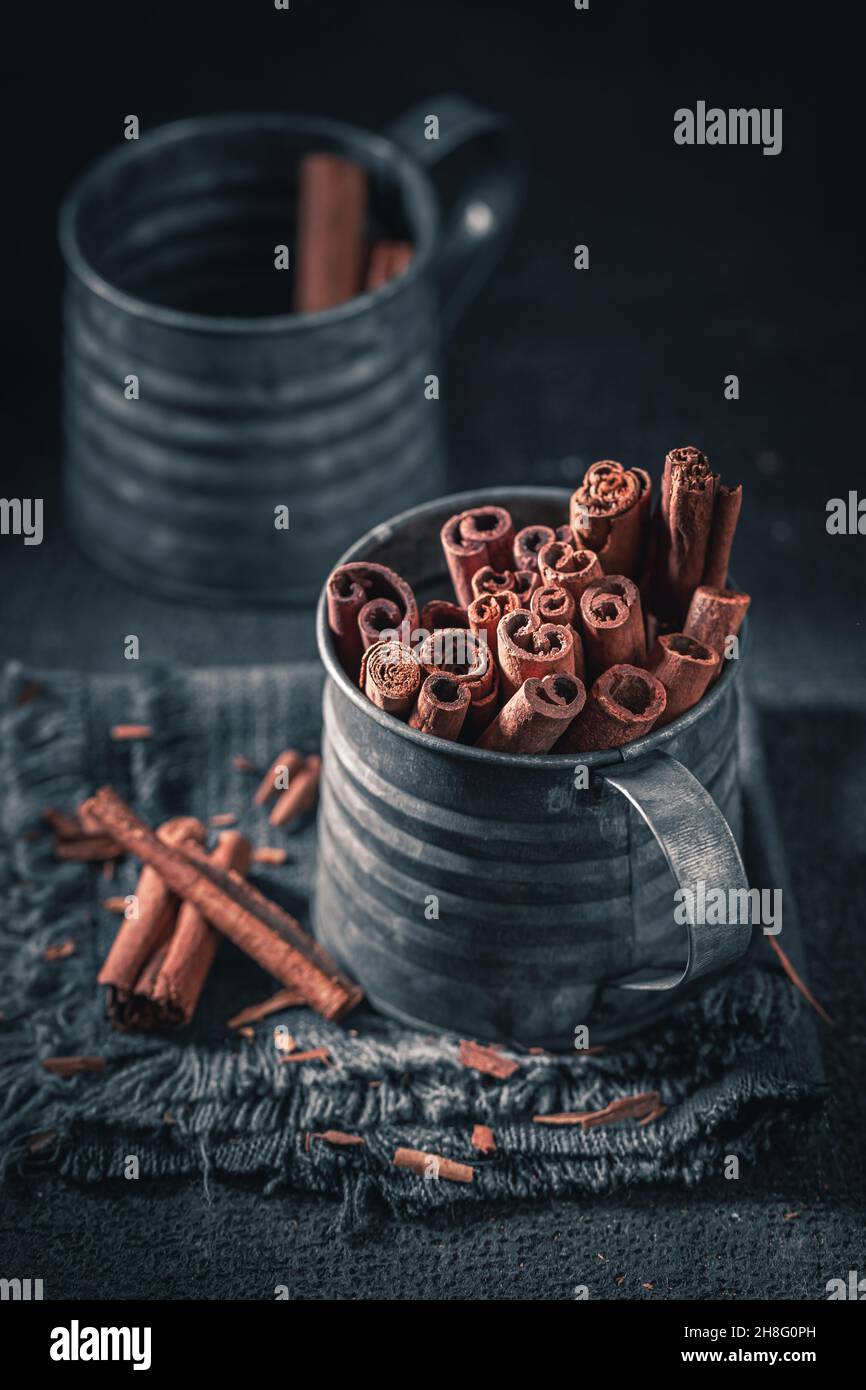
(474, 538)
(527, 544)
(441, 707)
(610, 515)
(528, 647)
(536, 715)
(391, 677)
(685, 668)
(388, 259)
(572, 568)
(486, 611)
(613, 625)
(332, 210)
(623, 704)
(714, 615)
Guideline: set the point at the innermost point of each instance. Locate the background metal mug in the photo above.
(555, 904)
(243, 406)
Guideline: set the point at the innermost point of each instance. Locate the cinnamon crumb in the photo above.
(223, 818)
(315, 1054)
(243, 764)
(486, 1059)
(799, 984)
(61, 951)
(283, 999)
(123, 733)
(269, 855)
(336, 1136)
(483, 1139)
(70, 1066)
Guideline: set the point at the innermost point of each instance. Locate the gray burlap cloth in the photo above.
(732, 1064)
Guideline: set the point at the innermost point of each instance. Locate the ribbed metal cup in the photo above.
(243, 406)
(547, 896)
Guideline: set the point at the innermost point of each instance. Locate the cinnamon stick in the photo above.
(349, 588)
(441, 707)
(484, 613)
(474, 538)
(528, 543)
(391, 677)
(572, 568)
(483, 1139)
(553, 604)
(257, 926)
(725, 517)
(623, 704)
(536, 716)
(715, 615)
(140, 937)
(179, 978)
(332, 209)
(613, 625)
(610, 515)
(528, 647)
(685, 668)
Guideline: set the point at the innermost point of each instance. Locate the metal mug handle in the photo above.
(482, 214)
(697, 843)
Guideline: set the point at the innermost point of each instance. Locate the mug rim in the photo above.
(410, 172)
(654, 741)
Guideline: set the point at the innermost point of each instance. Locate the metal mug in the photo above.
(244, 407)
(554, 904)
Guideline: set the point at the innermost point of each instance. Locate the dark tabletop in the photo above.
(703, 263)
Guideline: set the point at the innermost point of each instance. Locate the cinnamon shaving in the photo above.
(486, 1059)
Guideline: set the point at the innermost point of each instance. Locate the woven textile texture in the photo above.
(732, 1064)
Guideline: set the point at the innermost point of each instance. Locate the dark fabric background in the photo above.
(704, 262)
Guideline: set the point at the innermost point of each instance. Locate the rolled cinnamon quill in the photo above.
(140, 936)
(474, 538)
(441, 707)
(484, 613)
(714, 615)
(610, 515)
(391, 677)
(684, 527)
(332, 209)
(379, 618)
(349, 588)
(257, 926)
(623, 704)
(169, 994)
(536, 716)
(482, 707)
(487, 580)
(553, 604)
(528, 647)
(573, 569)
(527, 544)
(613, 626)
(685, 668)
(725, 517)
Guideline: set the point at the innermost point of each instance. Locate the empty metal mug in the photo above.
(242, 406)
(554, 903)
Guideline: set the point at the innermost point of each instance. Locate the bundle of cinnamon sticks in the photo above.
(184, 901)
(335, 259)
(567, 639)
